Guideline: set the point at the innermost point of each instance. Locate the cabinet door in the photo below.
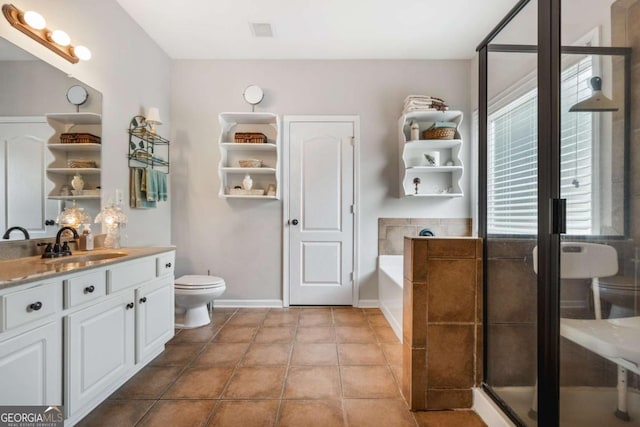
(154, 316)
(31, 367)
(99, 344)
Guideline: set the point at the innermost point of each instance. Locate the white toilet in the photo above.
(193, 293)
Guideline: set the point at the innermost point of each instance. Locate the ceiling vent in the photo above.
(261, 29)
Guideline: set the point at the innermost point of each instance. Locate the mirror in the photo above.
(31, 172)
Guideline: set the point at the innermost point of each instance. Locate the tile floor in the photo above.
(330, 366)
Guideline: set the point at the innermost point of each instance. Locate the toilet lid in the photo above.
(196, 281)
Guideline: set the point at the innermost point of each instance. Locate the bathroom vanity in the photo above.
(74, 329)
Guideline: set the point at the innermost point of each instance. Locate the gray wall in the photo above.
(132, 73)
(241, 240)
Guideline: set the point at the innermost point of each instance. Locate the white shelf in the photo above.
(75, 171)
(249, 170)
(90, 147)
(435, 181)
(233, 146)
(76, 118)
(231, 153)
(73, 197)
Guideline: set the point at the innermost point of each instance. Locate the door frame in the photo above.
(286, 250)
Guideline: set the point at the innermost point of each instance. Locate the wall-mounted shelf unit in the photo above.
(59, 171)
(147, 149)
(442, 180)
(231, 174)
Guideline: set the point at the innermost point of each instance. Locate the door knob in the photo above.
(294, 222)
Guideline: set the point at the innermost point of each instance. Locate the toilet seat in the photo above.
(192, 281)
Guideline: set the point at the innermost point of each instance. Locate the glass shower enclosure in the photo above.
(562, 321)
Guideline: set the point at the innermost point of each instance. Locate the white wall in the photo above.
(241, 240)
(132, 73)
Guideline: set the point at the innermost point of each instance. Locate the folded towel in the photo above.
(151, 185)
(445, 125)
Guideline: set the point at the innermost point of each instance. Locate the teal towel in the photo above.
(163, 191)
(151, 185)
(444, 125)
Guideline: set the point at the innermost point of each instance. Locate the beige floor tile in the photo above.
(311, 413)
(150, 383)
(202, 334)
(245, 413)
(177, 354)
(349, 318)
(267, 354)
(276, 334)
(312, 382)
(247, 319)
(221, 354)
(314, 354)
(256, 383)
(179, 413)
(355, 334)
(378, 413)
(117, 413)
(375, 382)
(385, 334)
(396, 370)
(282, 319)
(448, 419)
(360, 354)
(231, 333)
(315, 319)
(377, 320)
(317, 334)
(393, 353)
(199, 383)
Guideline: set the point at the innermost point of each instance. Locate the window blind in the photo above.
(513, 155)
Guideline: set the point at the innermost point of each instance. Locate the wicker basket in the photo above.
(439, 133)
(250, 163)
(250, 138)
(77, 163)
(79, 138)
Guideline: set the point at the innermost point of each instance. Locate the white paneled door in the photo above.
(321, 206)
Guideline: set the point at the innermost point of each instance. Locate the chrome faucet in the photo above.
(8, 232)
(59, 250)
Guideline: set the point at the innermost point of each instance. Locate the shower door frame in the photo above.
(551, 215)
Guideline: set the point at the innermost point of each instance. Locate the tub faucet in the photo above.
(8, 232)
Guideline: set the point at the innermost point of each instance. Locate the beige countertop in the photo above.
(18, 271)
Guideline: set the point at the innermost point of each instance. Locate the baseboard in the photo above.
(488, 410)
(368, 303)
(272, 303)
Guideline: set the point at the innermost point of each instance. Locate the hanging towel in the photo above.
(138, 197)
(163, 191)
(151, 185)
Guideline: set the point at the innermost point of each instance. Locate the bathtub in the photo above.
(390, 290)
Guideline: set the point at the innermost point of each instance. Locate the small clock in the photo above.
(77, 95)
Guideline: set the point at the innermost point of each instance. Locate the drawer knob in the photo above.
(89, 289)
(130, 305)
(168, 265)
(35, 306)
(143, 300)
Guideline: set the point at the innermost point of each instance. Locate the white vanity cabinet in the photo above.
(153, 327)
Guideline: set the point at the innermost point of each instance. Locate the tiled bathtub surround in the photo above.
(442, 321)
(391, 231)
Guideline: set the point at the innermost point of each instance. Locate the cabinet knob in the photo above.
(143, 300)
(89, 289)
(49, 222)
(168, 265)
(35, 306)
(294, 222)
(130, 305)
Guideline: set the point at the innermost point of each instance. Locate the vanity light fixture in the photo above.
(35, 26)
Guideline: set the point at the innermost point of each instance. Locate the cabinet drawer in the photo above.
(85, 288)
(165, 263)
(127, 274)
(31, 304)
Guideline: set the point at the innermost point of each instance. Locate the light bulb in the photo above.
(34, 20)
(60, 37)
(82, 52)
